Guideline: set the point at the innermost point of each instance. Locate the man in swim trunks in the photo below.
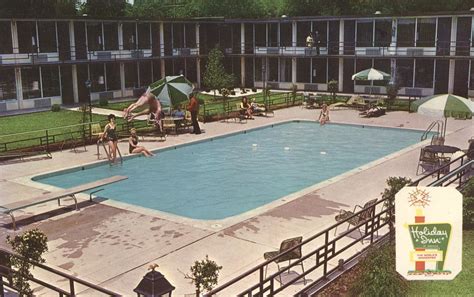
(154, 107)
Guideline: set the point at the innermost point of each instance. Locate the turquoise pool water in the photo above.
(230, 175)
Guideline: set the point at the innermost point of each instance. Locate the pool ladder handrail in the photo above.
(107, 152)
(439, 130)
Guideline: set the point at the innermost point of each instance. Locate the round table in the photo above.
(442, 149)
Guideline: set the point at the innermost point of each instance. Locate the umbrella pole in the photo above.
(445, 123)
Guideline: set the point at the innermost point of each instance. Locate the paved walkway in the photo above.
(112, 244)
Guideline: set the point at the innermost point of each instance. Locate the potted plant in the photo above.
(204, 275)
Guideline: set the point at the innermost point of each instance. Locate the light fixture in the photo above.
(100, 80)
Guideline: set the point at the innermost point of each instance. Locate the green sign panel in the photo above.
(431, 237)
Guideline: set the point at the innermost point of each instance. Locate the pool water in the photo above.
(234, 174)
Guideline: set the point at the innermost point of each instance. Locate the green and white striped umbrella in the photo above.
(171, 90)
(371, 74)
(445, 105)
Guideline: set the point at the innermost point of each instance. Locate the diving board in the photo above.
(71, 192)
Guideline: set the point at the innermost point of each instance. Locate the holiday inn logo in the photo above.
(428, 232)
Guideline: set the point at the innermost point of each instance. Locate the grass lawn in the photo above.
(34, 125)
(462, 285)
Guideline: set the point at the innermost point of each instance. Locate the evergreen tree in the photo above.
(215, 76)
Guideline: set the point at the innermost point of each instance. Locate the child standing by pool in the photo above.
(324, 115)
(134, 148)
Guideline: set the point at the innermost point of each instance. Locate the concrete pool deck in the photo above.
(112, 244)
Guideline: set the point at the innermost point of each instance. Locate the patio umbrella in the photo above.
(446, 105)
(371, 74)
(171, 90)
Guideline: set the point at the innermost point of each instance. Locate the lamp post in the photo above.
(154, 284)
(88, 86)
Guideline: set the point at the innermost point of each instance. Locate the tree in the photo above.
(29, 247)
(37, 8)
(392, 93)
(105, 8)
(215, 76)
(333, 87)
(204, 275)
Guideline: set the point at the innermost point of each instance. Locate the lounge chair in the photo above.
(293, 255)
(367, 213)
(355, 102)
(373, 112)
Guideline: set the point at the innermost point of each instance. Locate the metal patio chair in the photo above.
(295, 254)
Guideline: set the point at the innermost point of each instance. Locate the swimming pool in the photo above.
(227, 176)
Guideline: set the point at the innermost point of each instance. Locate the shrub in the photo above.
(378, 275)
(232, 92)
(55, 107)
(204, 275)
(254, 90)
(333, 87)
(468, 206)
(30, 246)
(103, 102)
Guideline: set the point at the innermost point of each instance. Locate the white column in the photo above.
(340, 78)
(451, 76)
(393, 41)
(72, 42)
(454, 31)
(242, 51)
(197, 38)
(15, 38)
(294, 33)
(198, 72)
(120, 36)
(162, 68)
(75, 89)
(293, 70)
(19, 87)
(341, 42)
(162, 40)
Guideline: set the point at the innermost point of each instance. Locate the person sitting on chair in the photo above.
(246, 108)
(178, 113)
(256, 107)
(134, 148)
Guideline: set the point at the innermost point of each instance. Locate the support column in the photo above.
(451, 76)
(19, 88)
(341, 38)
(393, 41)
(242, 51)
(198, 60)
(122, 78)
(72, 42)
(75, 89)
(15, 38)
(162, 49)
(293, 70)
(454, 31)
(294, 41)
(120, 36)
(340, 78)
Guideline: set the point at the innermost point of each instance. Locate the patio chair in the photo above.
(169, 124)
(368, 212)
(428, 161)
(286, 245)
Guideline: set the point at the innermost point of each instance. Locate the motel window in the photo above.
(113, 76)
(285, 34)
(405, 72)
(129, 36)
(260, 35)
(362, 64)
(7, 83)
(258, 68)
(50, 79)
(97, 74)
(249, 38)
(319, 70)
(144, 36)
(382, 65)
(333, 69)
(406, 33)
(6, 33)
(236, 37)
(156, 70)
(272, 34)
(191, 71)
(302, 31)
(322, 28)
(190, 35)
(383, 32)
(272, 69)
(364, 33)
(426, 32)
(94, 36)
(303, 69)
(145, 73)
(178, 35)
(111, 36)
(30, 78)
(131, 75)
(285, 69)
(424, 73)
(27, 39)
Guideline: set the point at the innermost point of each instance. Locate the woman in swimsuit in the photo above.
(111, 135)
(134, 148)
(324, 115)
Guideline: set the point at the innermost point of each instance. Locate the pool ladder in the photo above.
(99, 142)
(439, 126)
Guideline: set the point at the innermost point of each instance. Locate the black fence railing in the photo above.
(80, 53)
(320, 255)
(48, 273)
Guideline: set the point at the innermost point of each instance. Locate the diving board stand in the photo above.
(71, 192)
